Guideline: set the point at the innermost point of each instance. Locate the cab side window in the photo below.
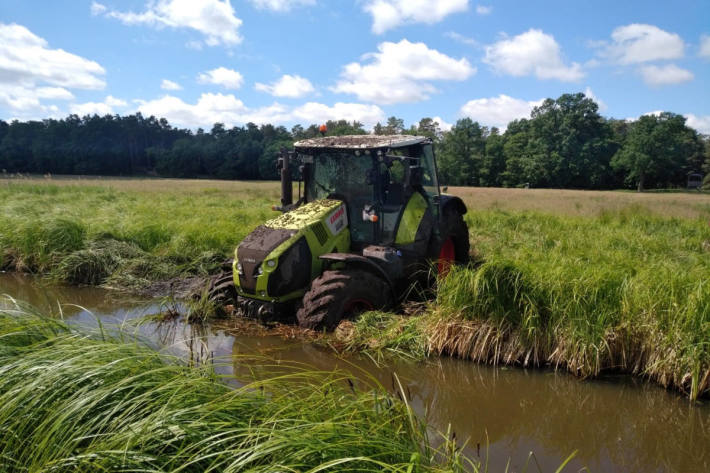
(394, 191)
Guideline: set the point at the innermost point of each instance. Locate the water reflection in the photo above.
(616, 424)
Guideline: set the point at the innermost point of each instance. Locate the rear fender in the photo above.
(451, 201)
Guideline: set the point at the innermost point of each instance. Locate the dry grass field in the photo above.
(585, 203)
(553, 201)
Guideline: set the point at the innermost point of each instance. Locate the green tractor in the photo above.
(369, 221)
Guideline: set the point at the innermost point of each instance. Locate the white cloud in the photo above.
(26, 102)
(97, 8)
(637, 43)
(400, 72)
(227, 78)
(704, 46)
(91, 108)
(388, 14)
(97, 108)
(53, 93)
(32, 73)
(112, 101)
(313, 112)
(26, 59)
(209, 109)
(443, 126)
(531, 53)
(227, 109)
(483, 9)
(287, 86)
(665, 75)
(498, 111)
(461, 38)
(281, 5)
(215, 19)
(590, 95)
(699, 122)
(170, 85)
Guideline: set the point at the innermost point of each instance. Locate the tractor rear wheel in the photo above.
(454, 246)
(341, 294)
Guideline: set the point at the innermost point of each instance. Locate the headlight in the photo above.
(271, 263)
(260, 271)
(240, 270)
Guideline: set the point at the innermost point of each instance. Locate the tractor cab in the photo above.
(368, 221)
(378, 178)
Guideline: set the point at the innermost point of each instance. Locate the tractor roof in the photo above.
(362, 141)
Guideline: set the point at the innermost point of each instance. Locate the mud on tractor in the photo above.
(368, 222)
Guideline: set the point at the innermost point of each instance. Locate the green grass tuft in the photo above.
(384, 334)
(83, 401)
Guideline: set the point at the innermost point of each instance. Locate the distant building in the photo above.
(695, 180)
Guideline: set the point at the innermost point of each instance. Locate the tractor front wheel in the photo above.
(341, 294)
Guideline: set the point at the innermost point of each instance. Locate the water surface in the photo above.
(616, 423)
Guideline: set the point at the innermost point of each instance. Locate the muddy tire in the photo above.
(222, 289)
(454, 246)
(341, 294)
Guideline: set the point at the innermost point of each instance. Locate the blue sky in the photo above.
(306, 61)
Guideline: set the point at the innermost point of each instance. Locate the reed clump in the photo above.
(623, 291)
(80, 400)
(384, 334)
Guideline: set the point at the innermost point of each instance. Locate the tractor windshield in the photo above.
(347, 176)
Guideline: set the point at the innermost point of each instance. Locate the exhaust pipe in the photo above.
(286, 184)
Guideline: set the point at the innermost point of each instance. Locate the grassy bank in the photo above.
(126, 234)
(586, 281)
(622, 291)
(83, 401)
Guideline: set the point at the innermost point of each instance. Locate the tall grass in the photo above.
(101, 235)
(623, 291)
(85, 401)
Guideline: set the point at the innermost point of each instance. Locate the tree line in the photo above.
(565, 143)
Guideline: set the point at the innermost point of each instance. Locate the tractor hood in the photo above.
(309, 214)
(278, 259)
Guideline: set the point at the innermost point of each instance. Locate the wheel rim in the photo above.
(447, 257)
(356, 306)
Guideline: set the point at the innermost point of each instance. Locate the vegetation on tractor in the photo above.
(86, 400)
(586, 281)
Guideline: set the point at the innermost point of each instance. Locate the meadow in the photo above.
(579, 280)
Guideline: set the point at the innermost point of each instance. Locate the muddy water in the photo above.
(615, 424)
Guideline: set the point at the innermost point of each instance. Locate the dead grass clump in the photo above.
(95, 265)
(90, 267)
